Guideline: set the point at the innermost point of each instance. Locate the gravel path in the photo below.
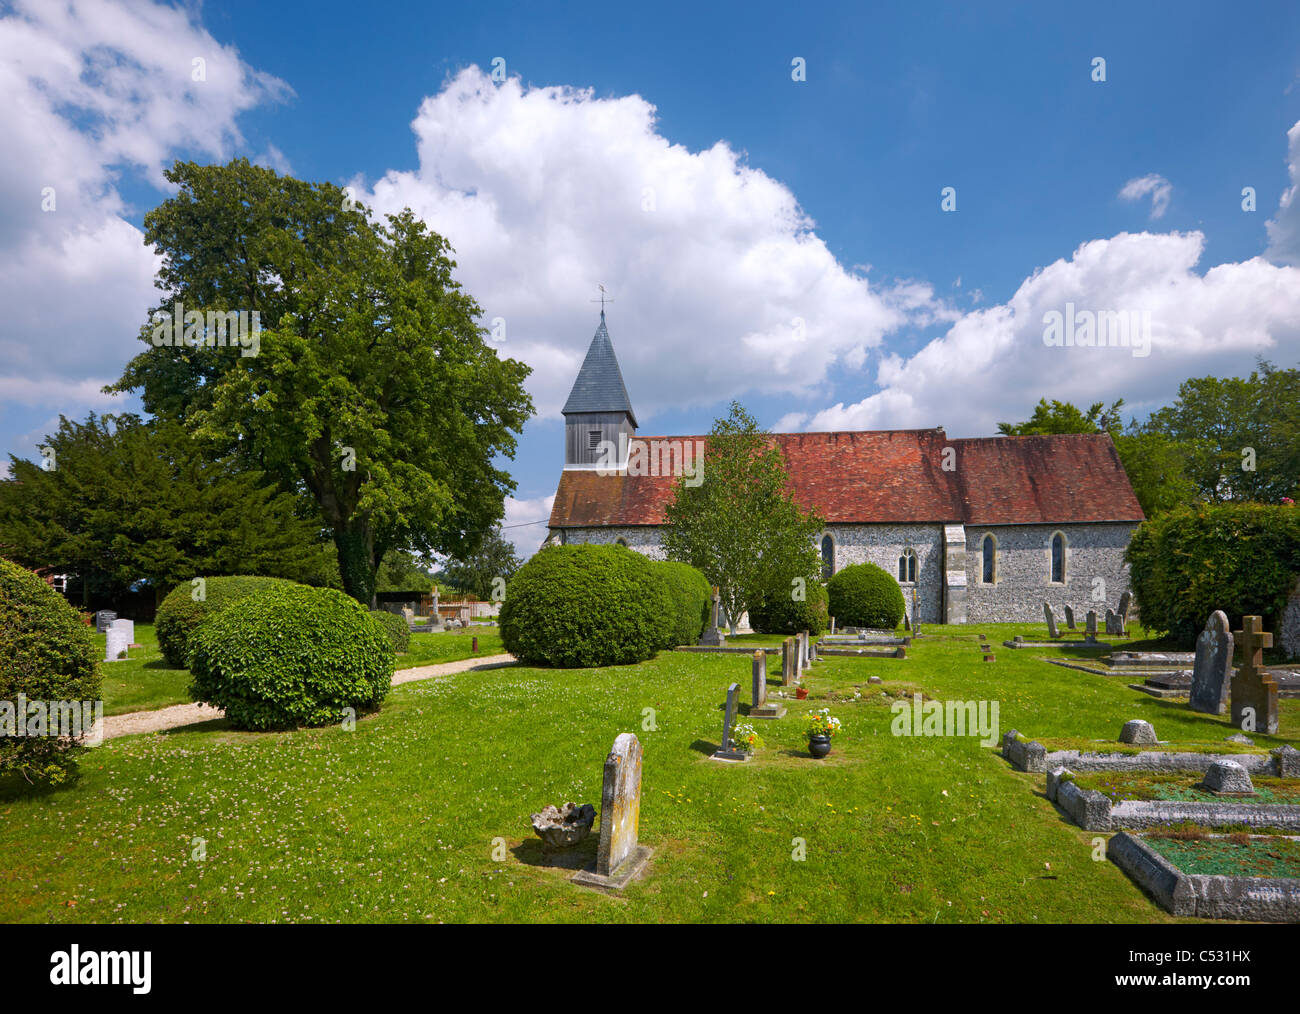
(190, 714)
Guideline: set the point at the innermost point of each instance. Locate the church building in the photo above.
(982, 529)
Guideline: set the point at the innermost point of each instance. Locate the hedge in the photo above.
(864, 595)
(1186, 563)
(180, 615)
(291, 655)
(692, 597)
(579, 606)
(781, 612)
(47, 654)
(395, 627)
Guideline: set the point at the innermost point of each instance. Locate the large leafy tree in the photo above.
(128, 503)
(373, 395)
(1154, 460)
(740, 525)
(477, 572)
(1231, 422)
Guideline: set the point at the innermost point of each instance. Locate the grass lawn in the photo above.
(421, 812)
(144, 681)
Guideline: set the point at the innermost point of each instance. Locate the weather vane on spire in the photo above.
(603, 300)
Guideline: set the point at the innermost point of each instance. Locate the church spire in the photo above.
(600, 387)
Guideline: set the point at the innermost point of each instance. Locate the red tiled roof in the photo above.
(897, 476)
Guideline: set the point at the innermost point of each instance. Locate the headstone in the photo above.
(620, 856)
(713, 637)
(803, 652)
(1254, 691)
(907, 623)
(760, 708)
(1212, 670)
(1069, 618)
(1112, 622)
(118, 642)
(787, 662)
(1138, 732)
(1125, 601)
(727, 751)
(127, 626)
(1090, 622)
(1052, 632)
(103, 620)
(832, 625)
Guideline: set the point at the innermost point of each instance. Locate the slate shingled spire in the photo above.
(599, 387)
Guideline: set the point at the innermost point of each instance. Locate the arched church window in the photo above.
(907, 567)
(1058, 558)
(990, 559)
(828, 557)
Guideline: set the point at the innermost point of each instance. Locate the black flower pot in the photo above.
(819, 746)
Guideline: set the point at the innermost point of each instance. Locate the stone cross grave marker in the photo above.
(761, 708)
(787, 662)
(118, 642)
(1212, 670)
(728, 751)
(713, 637)
(103, 620)
(619, 856)
(1069, 618)
(1051, 622)
(1252, 686)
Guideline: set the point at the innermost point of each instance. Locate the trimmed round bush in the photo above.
(780, 613)
(291, 655)
(573, 607)
(864, 595)
(179, 615)
(396, 627)
(692, 597)
(47, 654)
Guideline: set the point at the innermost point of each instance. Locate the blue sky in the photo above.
(777, 241)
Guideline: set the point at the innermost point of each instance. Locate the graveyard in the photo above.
(422, 812)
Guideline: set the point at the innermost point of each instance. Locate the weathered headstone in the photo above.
(118, 642)
(1112, 622)
(1212, 670)
(760, 708)
(1069, 618)
(620, 856)
(832, 625)
(907, 622)
(1090, 629)
(1121, 614)
(787, 662)
(713, 637)
(803, 652)
(103, 620)
(1052, 632)
(1254, 691)
(727, 751)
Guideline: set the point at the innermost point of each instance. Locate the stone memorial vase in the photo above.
(819, 746)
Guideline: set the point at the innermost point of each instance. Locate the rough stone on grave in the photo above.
(1212, 670)
(1254, 690)
(563, 827)
(1227, 778)
(1138, 732)
(875, 679)
(620, 855)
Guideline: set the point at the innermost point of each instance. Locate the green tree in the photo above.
(740, 525)
(402, 571)
(373, 393)
(1242, 434)
(128, 502)
(1063, 417)
(476, 572)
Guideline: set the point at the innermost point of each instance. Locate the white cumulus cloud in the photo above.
(1152, 185)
